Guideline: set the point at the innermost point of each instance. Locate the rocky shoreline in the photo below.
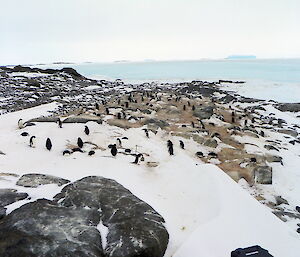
(225, 125)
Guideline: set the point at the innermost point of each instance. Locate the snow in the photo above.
(28, 74)
(206, 213)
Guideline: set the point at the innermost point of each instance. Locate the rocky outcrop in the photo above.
(135, 228)
(68, 225)
(44, 228)
(263, 175)
(156, 122)
(35, 180)
(9, 196)
(289, 132)
(203, 112)
(289, 107)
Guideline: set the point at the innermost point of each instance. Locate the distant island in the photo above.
(240, 57)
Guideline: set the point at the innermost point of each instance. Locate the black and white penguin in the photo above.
(113, 150)
(77, 149)
(59, 123)
(86, 130)
(97, 107)
(181, 144)
(67, 152)
(48, 144)
(170, 147)
(253, 159)
(200, 154)
(119, 116)
(146, 132)
(193, 124)
(213, 155)
(232, 120)
(184, 107)
(92, 152)
(21, 124)
(193, 108)
(24, 134)
(107, 111)
(119, 142)
(32, 141)
(137, 157)
(79, 142)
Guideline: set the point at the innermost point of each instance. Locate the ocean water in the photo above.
(276, 79)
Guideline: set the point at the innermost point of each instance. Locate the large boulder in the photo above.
(156, 122)
(44, 228)
(289, 132)
(203, 112)
(35, 180)
(263, 175)
(9, 196)
(289, 107)
(2, 212)
(135, 228)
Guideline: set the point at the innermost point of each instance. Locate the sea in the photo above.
(267, 79)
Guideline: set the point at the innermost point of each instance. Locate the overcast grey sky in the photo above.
(39, 31)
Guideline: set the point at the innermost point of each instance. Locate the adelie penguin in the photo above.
(79, 142)
(113, 150)
(170, 147)
(146, 132)
(137, 158)
(21, 124)
(119, 142)
(48, 144)
(86, 130)
(59, 123)
(181, 144)
(32, 141)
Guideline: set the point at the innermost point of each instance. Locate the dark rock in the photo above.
(203, 112)
(211, 143)
(273, 158)
(9, 196)
(263, 175)
(82, 120)
(2, 213)
(157, 122)
(270, 147)
(35, 180)
(280, 200)
(135, 228)
(289, 132)
(289, 107)
(227, 99)
(43, 229)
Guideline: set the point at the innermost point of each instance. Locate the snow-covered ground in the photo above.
(207, 213)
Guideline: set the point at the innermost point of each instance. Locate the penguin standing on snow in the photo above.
(170, 147)
(119, 142)
(59, 123)
(86, 130)
(32, 142)
(146, 132)
(79, 142)
(48, 144)
(21, 124)
(181, 144)
(137, 157)
(113, 150)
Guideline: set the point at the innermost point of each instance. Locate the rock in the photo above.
(2, 212)
(211, 143)
(43, 228)
(227, 99)
(159, 123)
(152, 164)
(280, 200)
(270, 147)
(35, 180)
(273, 158)
(263, 175)
(78, 119)
(9, 196)
(289, 107)
(289, 132)
(119, 123)
(203, 112)
(135, 228)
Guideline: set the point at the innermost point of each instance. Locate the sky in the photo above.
(39, 31)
